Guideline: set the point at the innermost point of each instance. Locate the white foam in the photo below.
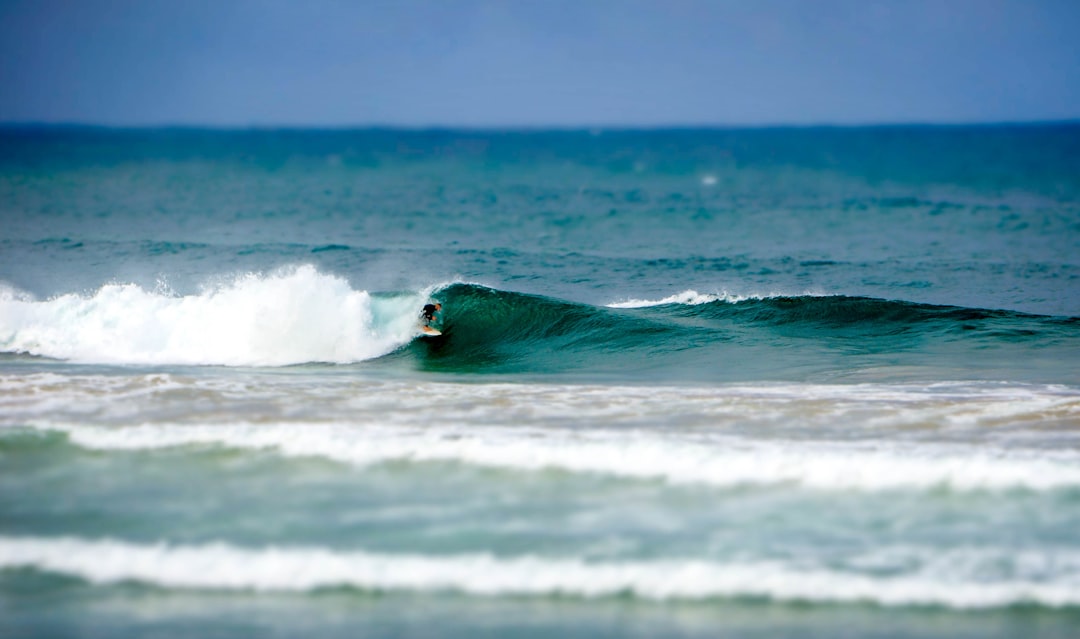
(868, 437)
(293, 316)
(690, 298)
(935, 405)
(678, 457)
(951, 578)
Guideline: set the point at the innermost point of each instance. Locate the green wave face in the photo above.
(489, 331)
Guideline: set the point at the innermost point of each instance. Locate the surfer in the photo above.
(429, 312)
(428, 316)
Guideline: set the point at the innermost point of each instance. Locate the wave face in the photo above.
(291, 317)
(722, 338)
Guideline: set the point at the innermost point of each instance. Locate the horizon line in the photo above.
(524, 128)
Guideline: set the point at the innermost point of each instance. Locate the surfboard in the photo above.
(429, 331)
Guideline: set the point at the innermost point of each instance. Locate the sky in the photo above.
(565, 63)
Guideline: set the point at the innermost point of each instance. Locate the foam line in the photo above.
(690, 297)
(720, 460)
(954, 579)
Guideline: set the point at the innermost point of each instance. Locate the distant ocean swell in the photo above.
(906, 576)
(300, 315)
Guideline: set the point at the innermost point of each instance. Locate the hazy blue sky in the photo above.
(537, 62)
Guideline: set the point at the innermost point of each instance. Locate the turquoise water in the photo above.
(776, 382)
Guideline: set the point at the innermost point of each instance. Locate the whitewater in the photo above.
(792, 382)
(220, 567)
(291, 317)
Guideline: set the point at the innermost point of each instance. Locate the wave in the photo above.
(965, 578)
(726, 338)
(302, 316)
(294, 316)
(687, 457)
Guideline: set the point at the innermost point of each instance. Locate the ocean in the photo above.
(775, 382)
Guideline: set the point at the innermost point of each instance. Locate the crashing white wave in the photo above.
(289, 317)
(959, 578)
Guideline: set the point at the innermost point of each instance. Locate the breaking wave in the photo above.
(303, 316)
(290, 317)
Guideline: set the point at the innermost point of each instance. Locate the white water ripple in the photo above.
(678, 457)
(953, 579)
